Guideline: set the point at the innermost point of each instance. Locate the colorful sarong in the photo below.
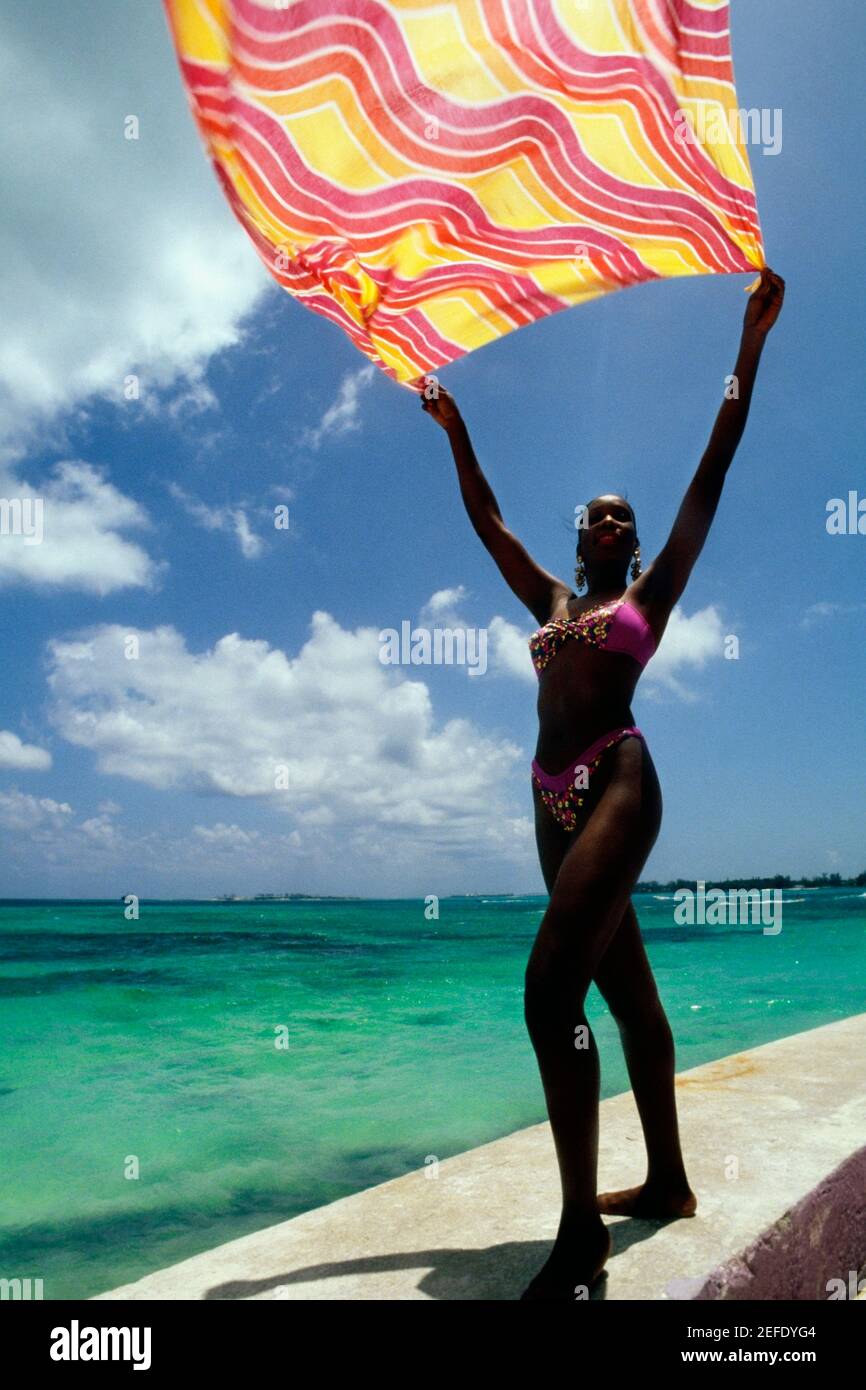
(433, 175)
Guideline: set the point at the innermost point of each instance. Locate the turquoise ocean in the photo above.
(174, 1082)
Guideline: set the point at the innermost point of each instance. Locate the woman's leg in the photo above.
(626, 982)
(588, 901)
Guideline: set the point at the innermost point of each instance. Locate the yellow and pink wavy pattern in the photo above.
(431, 176)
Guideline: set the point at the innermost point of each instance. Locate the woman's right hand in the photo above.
(439, 403)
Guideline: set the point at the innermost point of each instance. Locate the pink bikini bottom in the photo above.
(558, 791)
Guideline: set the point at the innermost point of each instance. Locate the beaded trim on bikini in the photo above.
(546, 642)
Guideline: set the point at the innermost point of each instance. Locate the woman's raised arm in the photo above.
(537, 589)
(664, 580)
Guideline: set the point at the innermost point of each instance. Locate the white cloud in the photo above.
(510, 650)
(445, 600)
(687, 644)
(195, 400)
(83, 516)
(440, 610)
(230, 837)
(357, 743)
(19, 811)
(116, 256)
(343, 414)
(22, 756)
(101, 831)
(49, 834)
(820, 612)
(229, 518)
(251, 545)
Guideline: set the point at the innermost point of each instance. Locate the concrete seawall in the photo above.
(775, 1147)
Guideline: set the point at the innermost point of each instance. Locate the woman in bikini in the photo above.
(597, 814)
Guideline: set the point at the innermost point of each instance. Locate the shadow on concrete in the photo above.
(498, 1272)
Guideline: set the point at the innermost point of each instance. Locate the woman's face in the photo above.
(608, 530)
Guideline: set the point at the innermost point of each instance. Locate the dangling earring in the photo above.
(580, 573)
(635, 564)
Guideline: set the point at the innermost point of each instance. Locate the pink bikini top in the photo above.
(615, 627)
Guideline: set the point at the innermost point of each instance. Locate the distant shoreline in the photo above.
(776, 881)
(284, 898)
(781, 881)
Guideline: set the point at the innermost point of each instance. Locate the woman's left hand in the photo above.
(440, 404)
(765, 303)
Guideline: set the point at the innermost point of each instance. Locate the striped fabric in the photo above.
(433, 175)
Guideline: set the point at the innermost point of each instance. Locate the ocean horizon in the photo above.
(214, 1067)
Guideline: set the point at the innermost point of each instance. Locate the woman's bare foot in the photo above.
(648, 1201)
(578, 1256)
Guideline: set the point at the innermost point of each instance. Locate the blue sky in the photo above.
(257, 647)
